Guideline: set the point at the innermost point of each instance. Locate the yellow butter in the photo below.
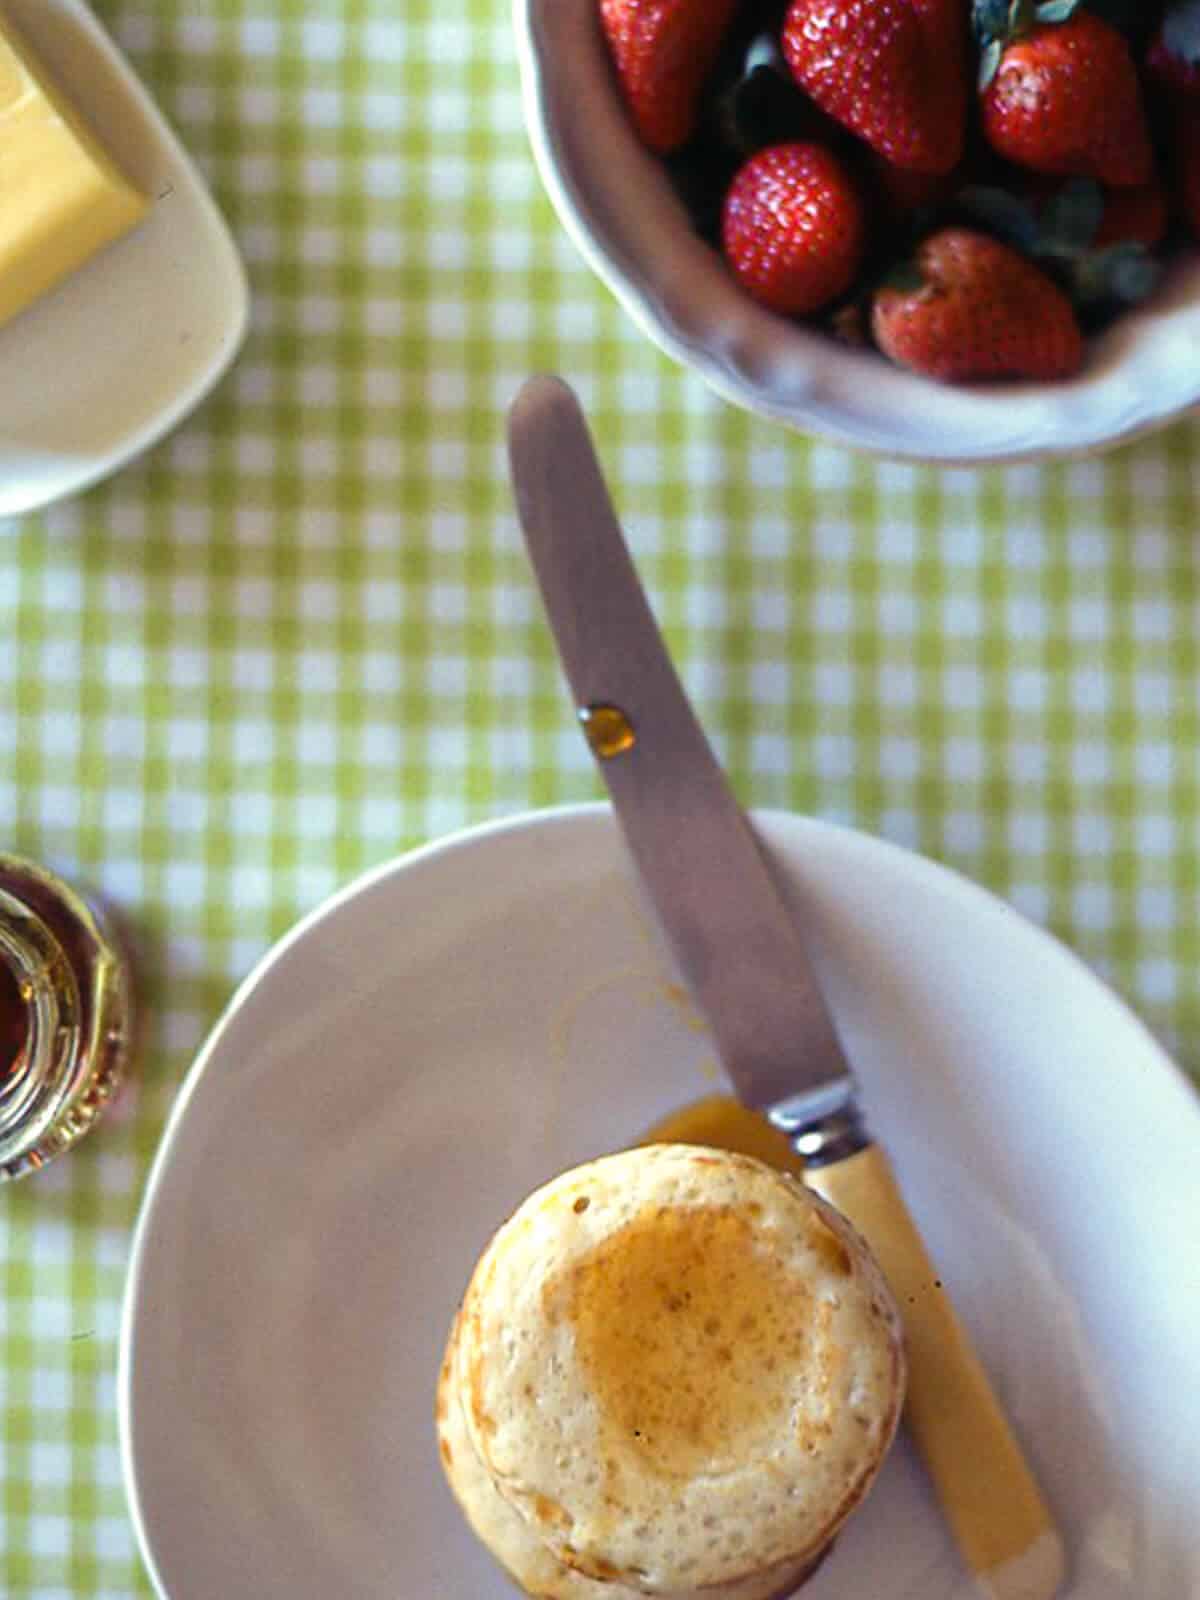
(61, 198)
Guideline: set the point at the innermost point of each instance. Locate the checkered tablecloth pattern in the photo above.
(300, 636)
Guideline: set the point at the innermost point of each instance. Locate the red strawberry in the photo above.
(663, 51)
(981, 311)
(1173, 65)
(792, 228)
(1133, 216)
(900, 193)
(1187, 167)
(1184, 161)
(892, 71)
(1062, 97)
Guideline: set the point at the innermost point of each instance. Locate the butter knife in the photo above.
(740, 953)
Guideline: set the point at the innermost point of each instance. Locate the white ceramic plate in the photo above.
(121, 351)
(614, 199)
(455, 1028)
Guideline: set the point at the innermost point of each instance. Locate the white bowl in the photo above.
(614, 199)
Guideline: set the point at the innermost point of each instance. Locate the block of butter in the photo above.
(61, 197)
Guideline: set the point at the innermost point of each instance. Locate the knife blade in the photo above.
(741, 955)
(736, 945)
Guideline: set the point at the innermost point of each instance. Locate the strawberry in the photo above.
(663, 52)
(1061, 96)
(792, 228)
(892, 71)
(1187, 168)
(900, 193)
(1173, 66)
(1133, 216)
(979, 310)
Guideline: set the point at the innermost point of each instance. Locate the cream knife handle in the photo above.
(981, 1478)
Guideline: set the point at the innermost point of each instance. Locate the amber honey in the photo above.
(67, 1015)
(677, 1324)
(722, 1123)
(608, 730)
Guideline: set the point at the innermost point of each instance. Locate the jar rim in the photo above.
(77, 982)
(39, 1082)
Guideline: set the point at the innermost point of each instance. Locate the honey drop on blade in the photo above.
(607, 729)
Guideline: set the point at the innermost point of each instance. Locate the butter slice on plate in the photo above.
(62, 199)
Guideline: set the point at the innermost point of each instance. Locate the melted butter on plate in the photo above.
(722, 1123)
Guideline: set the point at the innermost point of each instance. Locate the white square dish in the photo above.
(117, 355)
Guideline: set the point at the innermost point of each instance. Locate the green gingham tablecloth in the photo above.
(300, 636)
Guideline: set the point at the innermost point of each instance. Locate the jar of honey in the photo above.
(67, 1015)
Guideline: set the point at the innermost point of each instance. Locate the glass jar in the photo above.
(67, 1015)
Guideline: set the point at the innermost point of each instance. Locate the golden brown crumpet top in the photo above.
(517, 1545)
(681, 1368)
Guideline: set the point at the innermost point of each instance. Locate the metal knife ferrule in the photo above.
(824, 1124)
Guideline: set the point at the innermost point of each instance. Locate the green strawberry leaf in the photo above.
(765, 50)
(990, 20)
(905, 277)
(997, 23)
(1181, 30)
(1055, 10)
(990, 58)
(1070, 219)
(761, 108)
(1002, 213)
